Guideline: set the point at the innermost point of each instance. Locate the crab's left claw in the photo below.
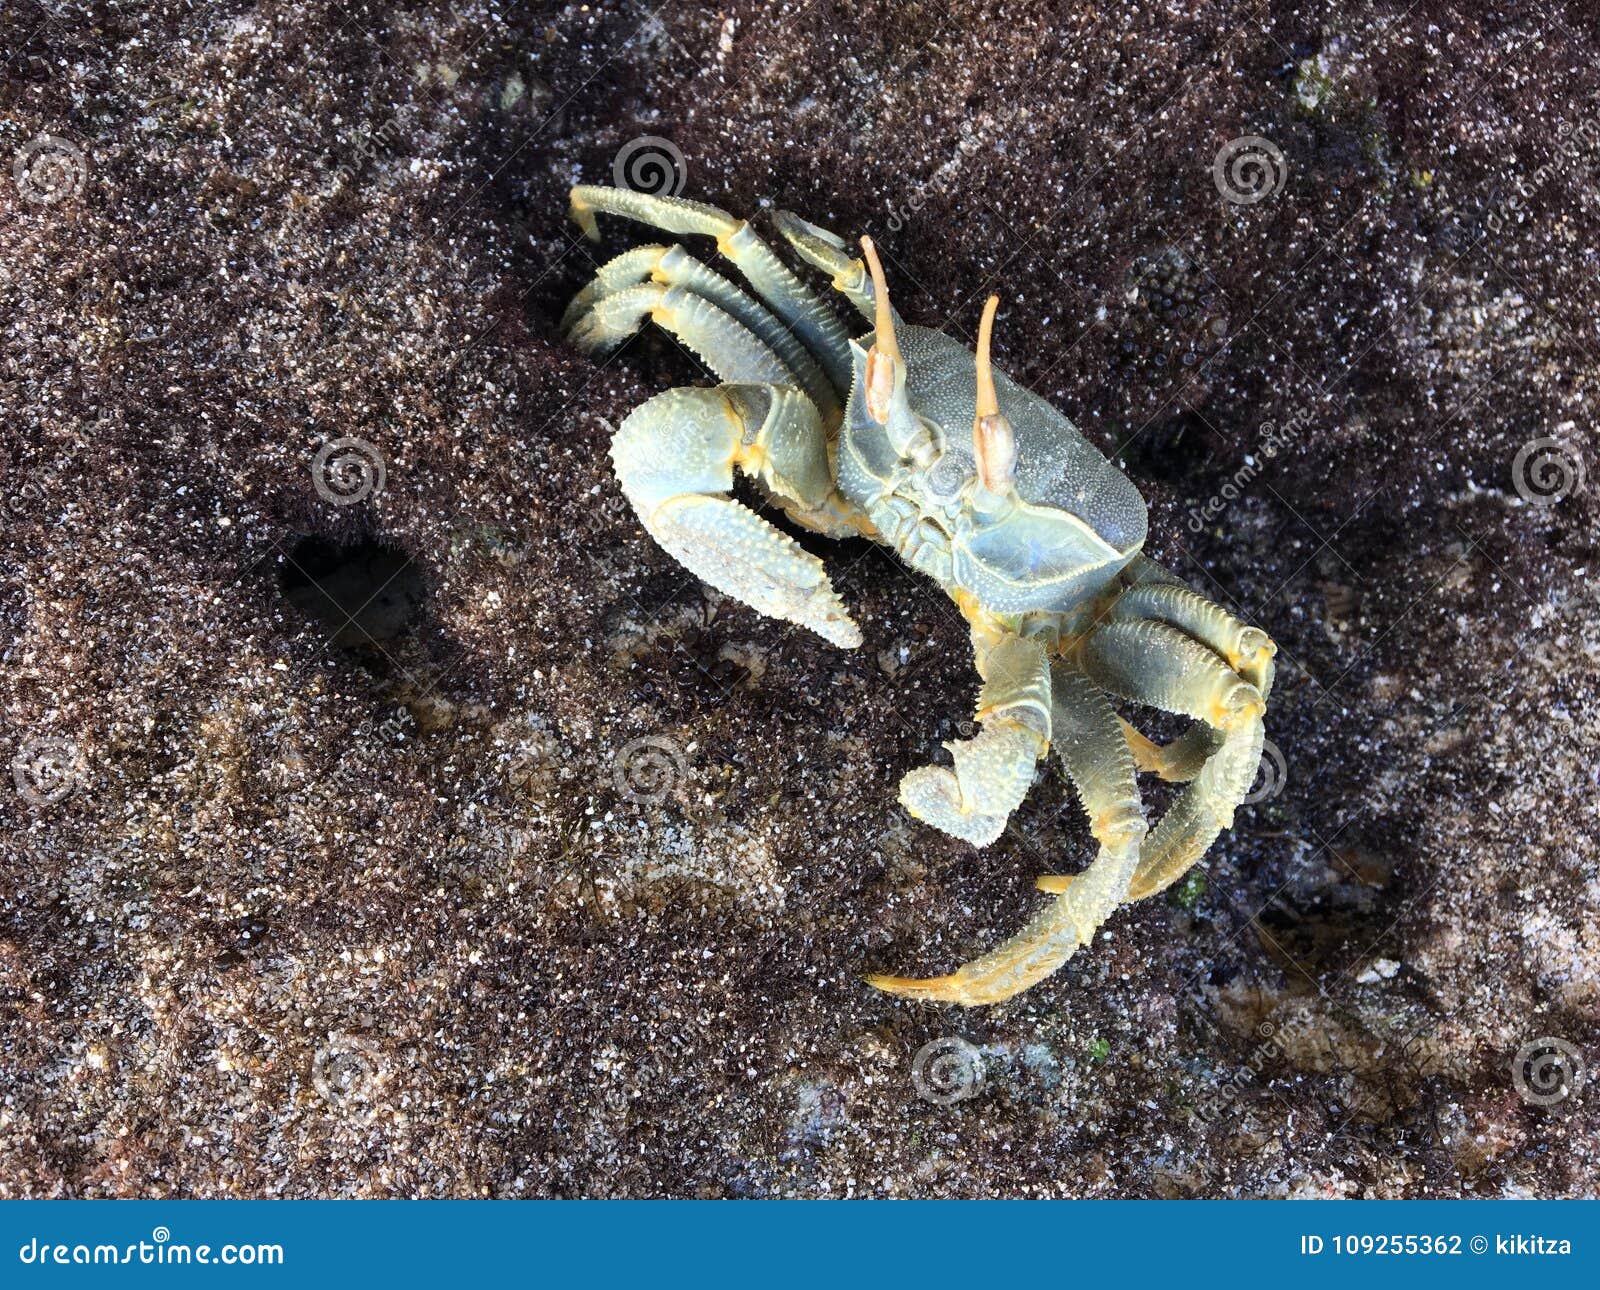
(993, 771)
(1086, 734)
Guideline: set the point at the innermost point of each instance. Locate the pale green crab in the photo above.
(910, 438)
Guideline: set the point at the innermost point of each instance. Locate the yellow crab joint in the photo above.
(994, 445)
(883, 359)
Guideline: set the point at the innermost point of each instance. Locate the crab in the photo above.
(906, 436)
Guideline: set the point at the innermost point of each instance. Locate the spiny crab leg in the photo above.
(1090, 743)
(672, 266)
(1155, 663)
(830, 253)
(788, 297)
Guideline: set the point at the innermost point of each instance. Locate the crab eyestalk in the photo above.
(994, 444)
(884, 361)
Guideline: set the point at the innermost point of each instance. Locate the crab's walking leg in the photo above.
(728, 348)
(789, 298)
(672, 266)
(992, 771)
(675, 456)
(1177, 762)
(1248, 650)
(1091, 747)
(1154, 663)
(830, 253)
(625, 270)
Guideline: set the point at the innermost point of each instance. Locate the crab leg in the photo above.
(776, 284)
(1091, 747)
(1151, 662)
(1248, 650)
(625, 270)
(830, 253)
(672, 266)
(675, 455)
(992, 771)
(1177, 762)
(726, 347)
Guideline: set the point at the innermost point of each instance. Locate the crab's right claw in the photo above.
(675, 457)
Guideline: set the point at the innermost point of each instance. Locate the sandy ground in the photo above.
(553, 874)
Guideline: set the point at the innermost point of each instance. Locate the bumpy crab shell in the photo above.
(1072, 520)
(1032, 533)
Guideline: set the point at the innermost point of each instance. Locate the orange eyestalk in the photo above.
(884, 357)
(993, 442)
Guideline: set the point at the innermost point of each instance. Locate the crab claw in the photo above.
(675, 457)
(991, 776)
